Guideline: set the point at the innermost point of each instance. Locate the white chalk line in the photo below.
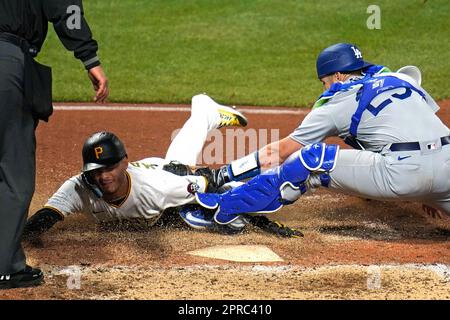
(174, 109)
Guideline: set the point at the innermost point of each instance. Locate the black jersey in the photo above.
(29, 19)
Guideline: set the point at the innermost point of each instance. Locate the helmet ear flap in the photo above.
(85, 176)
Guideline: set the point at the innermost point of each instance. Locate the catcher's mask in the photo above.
(102, 149)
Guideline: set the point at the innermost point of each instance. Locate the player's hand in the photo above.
(32, 238)
(432, 212)
(100, 84)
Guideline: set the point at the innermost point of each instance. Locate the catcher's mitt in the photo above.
(273, 227)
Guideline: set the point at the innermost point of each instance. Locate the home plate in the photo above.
(239, 253)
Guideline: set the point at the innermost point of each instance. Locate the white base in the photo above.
(239, 253)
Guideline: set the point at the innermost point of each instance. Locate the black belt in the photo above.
(414, 146)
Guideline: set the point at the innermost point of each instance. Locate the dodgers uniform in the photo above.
(405, 152)
(381, 171)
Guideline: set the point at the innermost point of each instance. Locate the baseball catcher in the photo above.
(401, 147)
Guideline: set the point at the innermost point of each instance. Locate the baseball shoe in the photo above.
(196, 217)
(28, 277)
(229, 116)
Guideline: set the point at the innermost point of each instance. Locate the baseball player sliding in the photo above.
(110, 189)
(402, 147)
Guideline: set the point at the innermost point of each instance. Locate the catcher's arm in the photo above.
(273, 227)
(251, 165)
(41, 221)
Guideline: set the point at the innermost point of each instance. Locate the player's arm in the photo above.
(209, 174)
(43, 220)
(65, 201)
(67, 17)
(316, 126)
(277, 152)
(269, 156)
(172, 190)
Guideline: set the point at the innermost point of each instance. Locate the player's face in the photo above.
(327, 81)
(112, 180)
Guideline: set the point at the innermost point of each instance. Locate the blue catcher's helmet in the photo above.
(341, 57)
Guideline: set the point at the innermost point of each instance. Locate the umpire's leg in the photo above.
(17, 159)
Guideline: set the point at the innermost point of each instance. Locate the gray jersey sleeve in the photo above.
(316, 126)
(68, 199)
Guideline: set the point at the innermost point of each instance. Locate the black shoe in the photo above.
(28, 277)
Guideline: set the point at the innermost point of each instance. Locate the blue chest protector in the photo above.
(370, 89)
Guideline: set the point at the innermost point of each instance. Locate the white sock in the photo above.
(187, 146)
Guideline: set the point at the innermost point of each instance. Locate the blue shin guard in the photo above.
(260, 194)
(267, 192)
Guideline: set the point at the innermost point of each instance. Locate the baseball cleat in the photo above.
(196, 217)
(229, 116)
(28, 277)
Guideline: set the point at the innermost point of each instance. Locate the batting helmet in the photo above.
(102, 149)
(341, 57)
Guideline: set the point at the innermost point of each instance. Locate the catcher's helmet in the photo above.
(341, 57)
(102, 149)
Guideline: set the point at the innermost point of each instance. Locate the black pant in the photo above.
(17, 158)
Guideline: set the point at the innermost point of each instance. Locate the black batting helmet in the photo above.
(102, 149)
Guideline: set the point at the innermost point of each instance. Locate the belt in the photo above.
(414, 146)
(19, 42)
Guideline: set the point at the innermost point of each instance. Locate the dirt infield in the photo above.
(353, 248)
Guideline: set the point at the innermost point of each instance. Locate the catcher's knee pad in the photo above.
(317, 157)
